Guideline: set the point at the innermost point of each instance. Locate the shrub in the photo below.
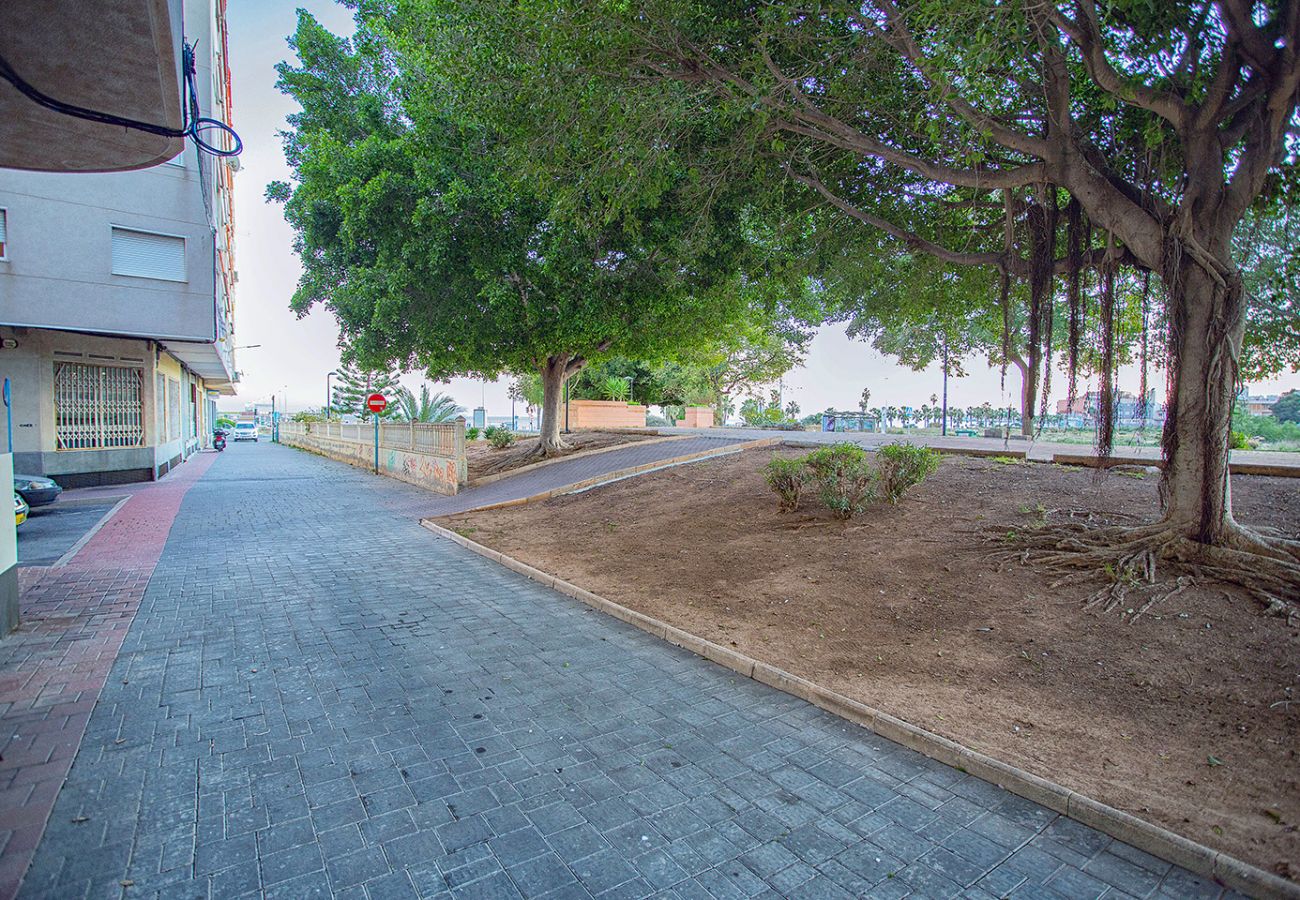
(845, 481)
(902, 466)
(500, 438)
(471, 433)
(1239, 441)
(786, 477)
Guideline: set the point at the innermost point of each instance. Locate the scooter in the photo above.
(219, 441)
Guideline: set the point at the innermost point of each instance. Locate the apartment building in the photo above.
(116, 299)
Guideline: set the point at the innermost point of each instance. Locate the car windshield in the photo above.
(245, 426)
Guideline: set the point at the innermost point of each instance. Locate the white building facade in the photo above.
(117, 297)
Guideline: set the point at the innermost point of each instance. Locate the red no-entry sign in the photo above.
(376, 403)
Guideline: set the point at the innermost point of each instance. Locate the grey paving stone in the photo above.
(423, 722)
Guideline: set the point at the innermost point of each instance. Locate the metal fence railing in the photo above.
(440, 439)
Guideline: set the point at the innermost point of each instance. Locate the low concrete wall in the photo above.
(435, 472)
(605, 414)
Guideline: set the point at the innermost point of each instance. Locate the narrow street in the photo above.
(317, 698)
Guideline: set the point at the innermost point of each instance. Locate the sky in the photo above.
(293, 355)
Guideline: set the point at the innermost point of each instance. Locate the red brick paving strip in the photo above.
(74, 619)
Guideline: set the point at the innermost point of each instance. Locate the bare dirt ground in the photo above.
(483, 459)
(1188, 717)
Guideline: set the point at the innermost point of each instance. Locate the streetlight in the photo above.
(329, 398)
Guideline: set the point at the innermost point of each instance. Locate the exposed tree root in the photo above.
(1132, 561)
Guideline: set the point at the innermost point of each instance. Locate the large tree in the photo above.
(1150, 128)
(433, 251)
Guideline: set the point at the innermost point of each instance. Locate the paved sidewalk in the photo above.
(54, 667)
(1036, 450)
(579, 468)
(318, 698)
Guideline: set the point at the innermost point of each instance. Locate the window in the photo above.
(143, 254)
(4, 233)
(97, 407)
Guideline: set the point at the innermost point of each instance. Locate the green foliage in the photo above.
(227, 422)
(427, 407)
(1266, 429)
(786, 476)
(354, 384)
(471, 433)
(1287, 407)
(902, 467)
(421, 232)
(527, 388)
(755, 413)
(844, 478)
(499, 436)
(615, 388)
(1237, 440)
(304, 415)
(1267, 247)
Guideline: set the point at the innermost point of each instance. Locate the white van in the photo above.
(246, 431)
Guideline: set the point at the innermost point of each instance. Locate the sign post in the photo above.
(376, 403)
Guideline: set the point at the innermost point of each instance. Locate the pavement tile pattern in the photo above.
(320, 699)
(74, 619)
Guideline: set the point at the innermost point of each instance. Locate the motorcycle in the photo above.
(219, 440)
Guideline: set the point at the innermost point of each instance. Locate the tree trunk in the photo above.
(555, 371)
(1207, 323)
(1028, 392)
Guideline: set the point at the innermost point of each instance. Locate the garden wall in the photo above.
(605, 414)
(697, 417)
(426, 455)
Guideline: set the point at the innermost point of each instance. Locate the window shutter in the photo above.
(143, 254)
(4, 234)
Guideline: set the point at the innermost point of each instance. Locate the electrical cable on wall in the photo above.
(195, 124)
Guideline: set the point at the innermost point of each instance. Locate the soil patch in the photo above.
(1188, 717)
(482, 459)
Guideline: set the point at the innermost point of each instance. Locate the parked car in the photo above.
(21, 509)
(37, 490)
(246, 431)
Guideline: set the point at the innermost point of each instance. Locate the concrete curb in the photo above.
(1153, 839)
(510, 473)
(1235, 468)
(619, 474)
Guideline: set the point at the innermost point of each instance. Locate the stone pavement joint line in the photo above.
(319, 699)
(53, 668)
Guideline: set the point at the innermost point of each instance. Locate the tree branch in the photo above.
(911, 239)
(906, 44)
(826, 129)
(1085, 32)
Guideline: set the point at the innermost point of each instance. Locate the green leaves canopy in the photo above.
(433, 252)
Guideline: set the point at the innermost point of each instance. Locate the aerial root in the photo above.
(1132, 559)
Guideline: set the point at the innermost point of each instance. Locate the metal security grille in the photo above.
(97, 407)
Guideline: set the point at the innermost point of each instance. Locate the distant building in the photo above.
(117, 297)
(1256, 405)
(1130, 411)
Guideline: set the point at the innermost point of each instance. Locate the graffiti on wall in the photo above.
(437, 473)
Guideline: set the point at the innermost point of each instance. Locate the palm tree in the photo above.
(428, 407)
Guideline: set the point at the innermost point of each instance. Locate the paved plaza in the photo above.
(318, 698)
